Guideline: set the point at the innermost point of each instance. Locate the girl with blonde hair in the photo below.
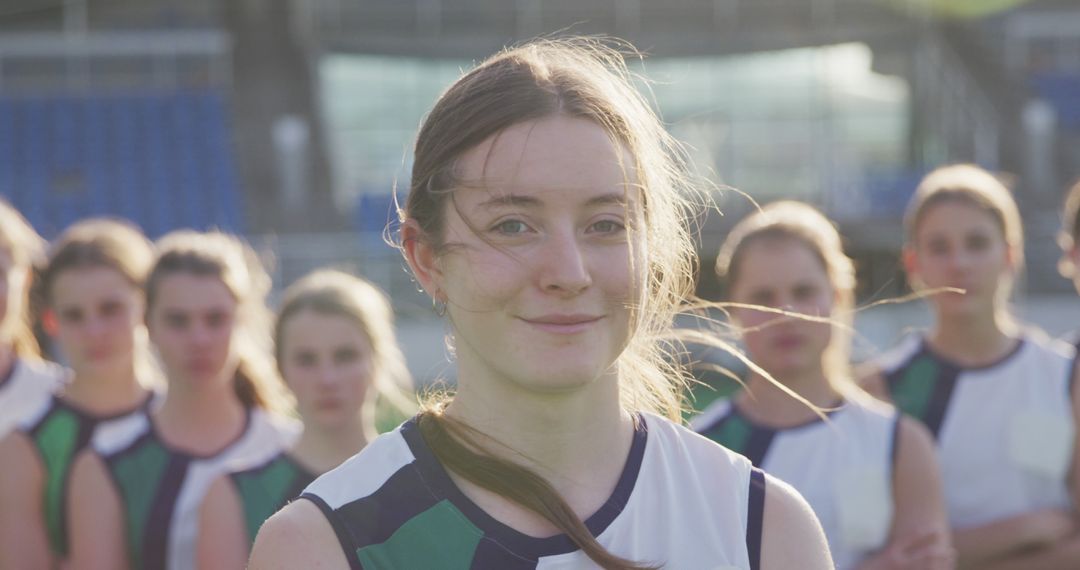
(336, 350)
(869, 474)
(999, 398)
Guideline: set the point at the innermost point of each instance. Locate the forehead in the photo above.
(771, 259)
(957, 214)
(89, 282)
(308, 327)
(556, 153)
(187, 292)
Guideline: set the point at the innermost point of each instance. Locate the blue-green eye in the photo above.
(607, 227)
(511, 227)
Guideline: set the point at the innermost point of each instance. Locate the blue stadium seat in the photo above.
(162, 159)
(1062, 91)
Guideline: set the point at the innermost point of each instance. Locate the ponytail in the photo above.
(454, 445)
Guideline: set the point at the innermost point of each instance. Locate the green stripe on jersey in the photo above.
(138, 474)
(56, 439)
(912, 391)
(263, 492)
(440, 537)
(733, 433)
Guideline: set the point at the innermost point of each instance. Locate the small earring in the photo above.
(439, 306)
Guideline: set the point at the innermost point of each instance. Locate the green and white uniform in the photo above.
(59, 430)
(161, 487)
(265, 488)
(681, 502)
(1004, 431)
(843, 467)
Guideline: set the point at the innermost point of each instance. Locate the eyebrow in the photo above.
(531, 202)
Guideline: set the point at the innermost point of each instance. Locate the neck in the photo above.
(106, 391)
(200, 418)
(974, 339)
(320, 449)
(766, 403)
(577, 439)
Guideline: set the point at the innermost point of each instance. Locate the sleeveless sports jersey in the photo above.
(681, 502)
(1004, 431)
(265, 488)
(161, 487)
(58, 431)
(842, 467)
(27, 387)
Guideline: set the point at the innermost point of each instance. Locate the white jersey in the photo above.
(161, 487)
(681, 502)
(1004, 431)
(842, 467)
(27, 389)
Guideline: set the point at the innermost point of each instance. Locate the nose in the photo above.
(564, 268)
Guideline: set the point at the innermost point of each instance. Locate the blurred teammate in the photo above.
(135, 499)
(336, 349)
(546, 216)
(1069, 240)
(1000, 399)
(869, 474)
(25, 381)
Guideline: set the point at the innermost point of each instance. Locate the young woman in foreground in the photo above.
(1000, 400)
(336, 350)
(870, 475)
(546, 216)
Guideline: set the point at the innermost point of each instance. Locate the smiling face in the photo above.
(191, 323)
(536, 268)
(958, 244)
(328, 364)
(95, 313)
(783, 273)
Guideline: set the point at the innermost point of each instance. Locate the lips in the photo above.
(564, 324)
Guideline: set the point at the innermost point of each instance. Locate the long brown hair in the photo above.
(25, 247)
(228, 258)
(586, 79)
(331, 292)
(803, 224)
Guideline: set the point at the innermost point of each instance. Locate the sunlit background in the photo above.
(291, 122)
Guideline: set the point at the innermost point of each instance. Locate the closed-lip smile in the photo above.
(563, 323)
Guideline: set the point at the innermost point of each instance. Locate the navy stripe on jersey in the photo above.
(1073, 369)
(345, 538)
(923, 386)
(755, 517)
(894, 443)
(156, 540)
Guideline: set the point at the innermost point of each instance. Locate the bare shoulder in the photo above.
(791, 534)
(298, 536)
(20, 461)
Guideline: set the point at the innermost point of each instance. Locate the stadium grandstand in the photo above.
(290, 121)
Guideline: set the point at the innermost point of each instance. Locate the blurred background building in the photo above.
(291, 121)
